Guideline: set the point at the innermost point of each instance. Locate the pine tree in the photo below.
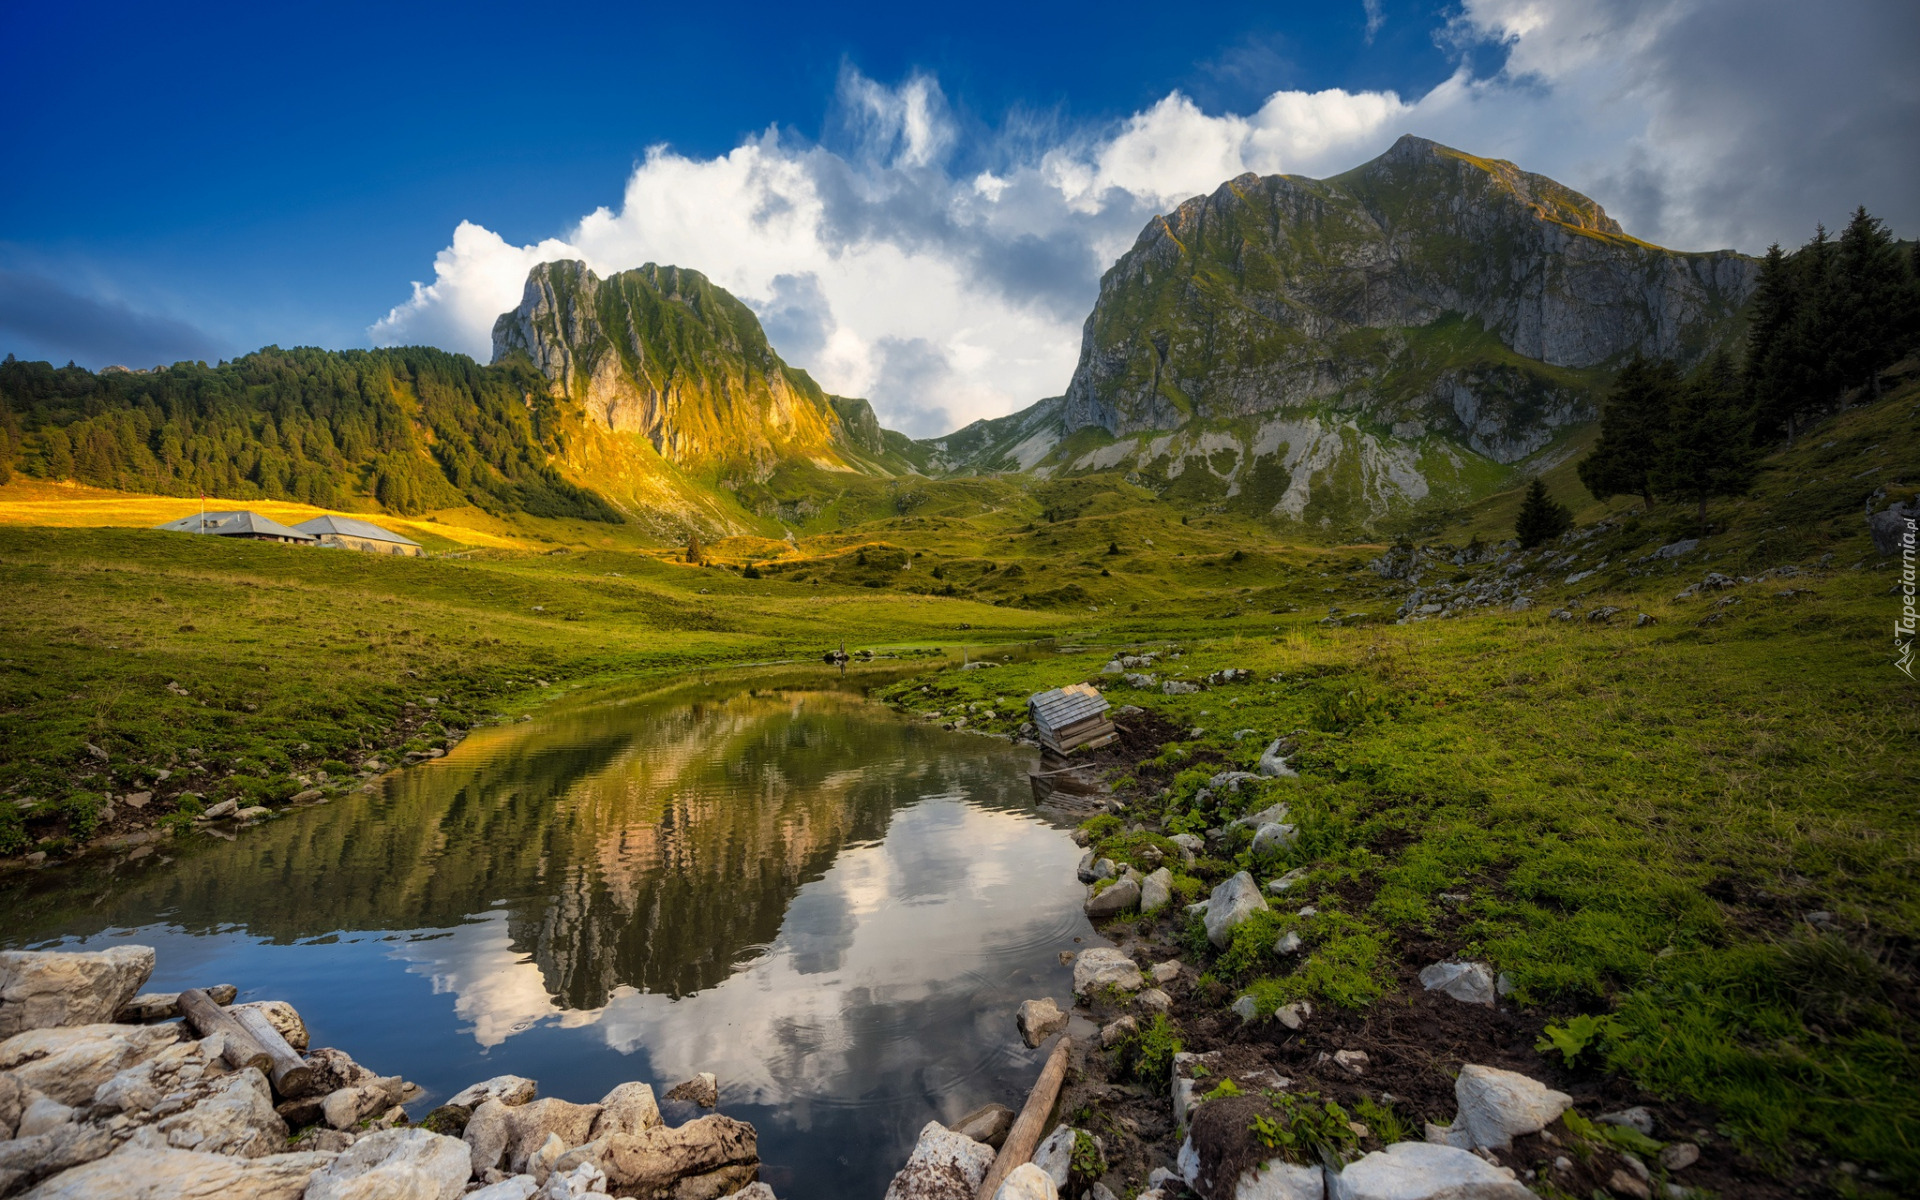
(1808, 366)
(1708, 448)
(1632, 423)
(693, 549)
(1776, 303)
(1869, 297)
(1541, 519)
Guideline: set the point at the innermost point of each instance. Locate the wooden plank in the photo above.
(207, 1018)
(1031, 1124)
(289, 1073)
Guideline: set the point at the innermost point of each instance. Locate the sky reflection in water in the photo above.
(833, 909)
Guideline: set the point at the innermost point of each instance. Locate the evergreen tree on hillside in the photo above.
(1633, 421)
(1707, 451)
(1776, 305)
(693, 549)
(1808, 368)
(1541, 519)
(1868, 307)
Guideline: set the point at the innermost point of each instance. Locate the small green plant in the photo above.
(1382, 1121)
(1226, 1087)
(1086, 1161)
(1623, 1137)
(1148, 1054)
(1577, 1036)
(1307, 1130)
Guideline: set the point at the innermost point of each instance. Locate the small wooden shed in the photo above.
(1068, 718)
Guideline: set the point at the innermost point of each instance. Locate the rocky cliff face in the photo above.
(1428, 294)
(663, 353)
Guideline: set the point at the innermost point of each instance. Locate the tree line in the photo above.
(1824, 321)
(414, 428)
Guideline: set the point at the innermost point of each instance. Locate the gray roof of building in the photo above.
(351, 527)
(1066, 706)
(234, 524)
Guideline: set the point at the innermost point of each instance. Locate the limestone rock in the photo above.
(48, 989)
(26, 1159)
(1497, 1106)
(1154, 1000)
(69, 1063)
(234, 1117)
(15, 1099)
(629, 1108)
(143, 1174)
(708, 1157)
(349, 1106)
(703, 1089)
(1039, 1020)
(1027, 1182)
(186, 1070)
(1055, 1155)
(1101, 967)
(754, 1191)
(1166, 972)
(1679, 1156)
(1118, 1031)
(514, 1187)
(509, 1090)
(943, 1166)
(1156, 891)
(1288, 943)
(43, 1114)
(530, 1125)
(1230, 904)
(1468, 982)
(987, 1124)
(1274, 836)
(1116, 898)
(395, 1163)
(1638, 1118)
(486, 1136)
(1421, 1171)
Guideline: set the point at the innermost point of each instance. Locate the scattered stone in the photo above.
(514, 1187)
(1114, 1033)
(510, 1090)
(348, 1106)
(1294, 1016)
(1103, 966)
(988, 1124)
(703, 1089)
(255, 813)
(1638, 1118)
(1277, 886)
(225, 808)
(1421, 1171)
(48, 989)
(1165, 972)
(1156, 892)
(1604, 613)
(1289, 943)
(943, 1166)
(1039, 1020)
(1190, 843)
(137, 800)
(1231, 904)
(1626, 1184)
(1354, 1062)
(1679, 1156)
(1642, 620)
(1273, 764)
(1055, 1155)
(1676, 549)
(1246, 1008)
(1497, 1106)
(1117, 898)
(1155, 1000)
(410, 1163)
(1274, 836)
(145, 1174)
(1176, 687)
(1468, 982)
(1027, 1182)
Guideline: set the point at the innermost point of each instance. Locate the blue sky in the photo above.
(198, 183)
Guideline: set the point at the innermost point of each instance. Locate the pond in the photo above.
(835, 909)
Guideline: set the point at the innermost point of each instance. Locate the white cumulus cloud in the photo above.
(947, 275)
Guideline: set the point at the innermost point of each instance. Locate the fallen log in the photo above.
(1031, 1124)
(207, 1018)
(289, 1073)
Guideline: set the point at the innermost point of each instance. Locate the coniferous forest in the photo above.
(413, 428)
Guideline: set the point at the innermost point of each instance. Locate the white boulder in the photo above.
(395, 1164)
(943, 1166)
(1468, 982)
(1027, 1182)
(1497, 1106)
(1104, 966)
(48, 989)
(1039, 1020)
(235, 1116)
(1421, 1171)
(1055, 1155)
(70, 1063)
(1156, 891)
(143, 1174)
(1231, 904)
(510, 1090)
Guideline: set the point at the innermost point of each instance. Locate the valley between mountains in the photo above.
(1648, 766)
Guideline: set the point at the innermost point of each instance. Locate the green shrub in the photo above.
(13, 830)
(1307, 1130)
(1147, 1055)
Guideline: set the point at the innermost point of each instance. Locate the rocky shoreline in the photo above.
(108, 1093)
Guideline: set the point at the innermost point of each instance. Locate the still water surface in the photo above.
(834, 909)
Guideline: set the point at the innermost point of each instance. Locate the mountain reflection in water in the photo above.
(834, 909)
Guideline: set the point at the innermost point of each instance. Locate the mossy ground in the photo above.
(1634, 821)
